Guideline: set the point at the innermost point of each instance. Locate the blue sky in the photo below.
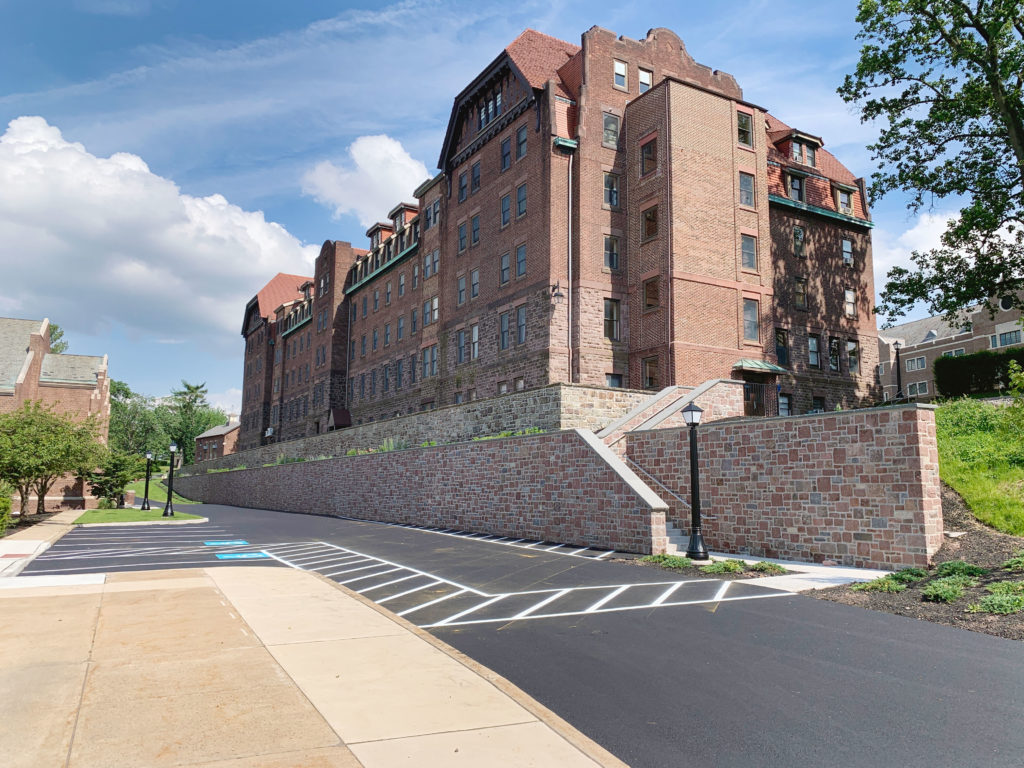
(161, 159)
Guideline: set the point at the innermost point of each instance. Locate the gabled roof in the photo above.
(826, 162)
(14, 338)
(220, 429)
(918, 331)
(72, 369)
(281, 288)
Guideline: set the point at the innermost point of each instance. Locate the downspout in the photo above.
(671, 236)
(568, 251)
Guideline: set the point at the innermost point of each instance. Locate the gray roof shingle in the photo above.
(14, 336)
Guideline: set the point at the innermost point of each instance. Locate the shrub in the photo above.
(1015, 563)
(882, 584)
(723, 566)
(959, 568)
(391, 444)
(428, 443)
(765, 567)
(999, 604)
(675, 562)
(1006, 588)
(909, 575)
(282, 459)
(947, 589)
(5, 507)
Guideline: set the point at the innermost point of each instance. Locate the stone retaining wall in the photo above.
(859, 487)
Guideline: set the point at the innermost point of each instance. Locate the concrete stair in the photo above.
(656, 404)
(678, 541)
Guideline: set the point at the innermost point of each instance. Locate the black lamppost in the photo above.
(149, 466)
(696, 549)
(169, 508)
(899, 372)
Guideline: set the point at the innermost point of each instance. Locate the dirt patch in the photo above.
(19, 523)
(694, 571)
(980, 545)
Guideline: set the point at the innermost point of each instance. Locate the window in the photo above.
(521, 200)
(611, 319)
(796, 187)
(502, 387)
(474, 183)
(458, 398)
(833, 354)
(744, 129)
(814, 351)
(460, 347)
(751, 321)
(847, 252)
(426, 313)
(611, 252)
(1006, 303)
(611, 190)
(844, 201)
(398, 374)
(462, 187)
(461, 292)
(374, 339)
(401, 285)
(646, 80)
(1008, 338)
(415, 275)
(352, 350)
(521, 260)
(850, 302)
(651, 293)
(364, 306)
(506, 210)
(619, 76)
(401, 327)
(376, 299)
(800, 292)
(954, 353)
(649, 157)
(387, 295)
(412, 323)
(506, 154)
(504, 273)
(803, 153)
(386, 378)
(917, 388)
(362, 385)
(474, 283)
(387, 334)
(433, 307)
(853, 356)
(798, 241)
(504, 321)
(462, 239)
(519, 383)
(748, 250)
(649, 371)
(782, 346)
(475, 227)
(785, 405)
(362, 345)
(521, 324)
(521, 143)
(373, 382)
(747, 189)
(474, 342)
(649, 223)
(611, 130)
(613, 380)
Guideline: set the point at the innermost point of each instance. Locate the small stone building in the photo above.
(218, 441)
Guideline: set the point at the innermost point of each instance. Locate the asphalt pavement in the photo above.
(659, 669)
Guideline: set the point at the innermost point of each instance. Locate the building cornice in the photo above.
(785, 201)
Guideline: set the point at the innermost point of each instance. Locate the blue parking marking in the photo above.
(226, 543)
(242, 555)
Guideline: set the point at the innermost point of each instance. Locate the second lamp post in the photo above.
(695, 550)
(149, 466)
(169, 508)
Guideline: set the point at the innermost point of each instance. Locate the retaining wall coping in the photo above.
(681, 403)
(617, 465)
(636, 411)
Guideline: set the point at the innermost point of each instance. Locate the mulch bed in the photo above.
(694, 572)
(19, 523)
(980, 545)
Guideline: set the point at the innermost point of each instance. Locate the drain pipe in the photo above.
(568, 251)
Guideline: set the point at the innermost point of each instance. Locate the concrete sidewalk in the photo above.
(19, 548)
(246, 667)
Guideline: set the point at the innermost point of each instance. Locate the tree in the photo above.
(39, 445)
(188, 416)
(57, 343)
(134, 426)
(944, 79)
(117, 469)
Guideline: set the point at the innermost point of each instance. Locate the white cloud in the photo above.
(104, 242)
(229, 401)
(891, 250)
(381, 174)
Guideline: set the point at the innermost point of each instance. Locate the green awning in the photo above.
(746, 364)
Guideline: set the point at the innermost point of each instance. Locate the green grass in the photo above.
(157, 492)
(1015, 563)
(675, 562)
(130, 515)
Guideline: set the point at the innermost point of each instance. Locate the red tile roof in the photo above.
(280, 289)
(539, 56)
(827, 164)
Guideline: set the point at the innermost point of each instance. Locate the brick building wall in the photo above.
(553, 487)
(858, 487)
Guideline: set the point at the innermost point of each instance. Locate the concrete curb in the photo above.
(584, 744)
(146, 522)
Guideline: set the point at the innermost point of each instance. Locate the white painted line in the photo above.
(434, 602)
(321, 558)
(605, 554)
(370, 576)
(468, 611)
(527, 546)
(351, 570)
(542, 603)
(667, 594)
(721, 592)
(607, 598)
(408, 592)
(141, 566)
(579, 550)
(516, 541)
(335, 560)
(554, 547)
(408, 568)
(280, 559)
(387, 584)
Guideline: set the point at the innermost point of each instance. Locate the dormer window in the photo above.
(489, 109)
(375, 239)
(795, 187)
(803, 152)
(844, 201)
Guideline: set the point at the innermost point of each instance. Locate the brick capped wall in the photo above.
(553, 487)
(551, 408)
(858, 487)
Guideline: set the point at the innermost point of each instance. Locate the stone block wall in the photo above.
(551, 408)
(858, 487)
(555, 487)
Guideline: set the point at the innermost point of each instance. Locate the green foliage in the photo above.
(188, 416)
(947, 589)
(428, 443)
(1015, 563)
(959, 568)
(982, 372)
(723, 566)
(282, 459)
(909, 575)
(674, 562)
(999, 603)
(135, 424)
(1006, 588)
(765, 567)
(116, 470)
(883, 584)
(106, 504)
(5, 506)
(392, 444)
(941, 80)
(512, 433)
(58, 345)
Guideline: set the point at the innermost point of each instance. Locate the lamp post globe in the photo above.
(169, 507)
(149, 467)
(695, 550)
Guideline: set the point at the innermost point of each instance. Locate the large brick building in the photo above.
(612, 213)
